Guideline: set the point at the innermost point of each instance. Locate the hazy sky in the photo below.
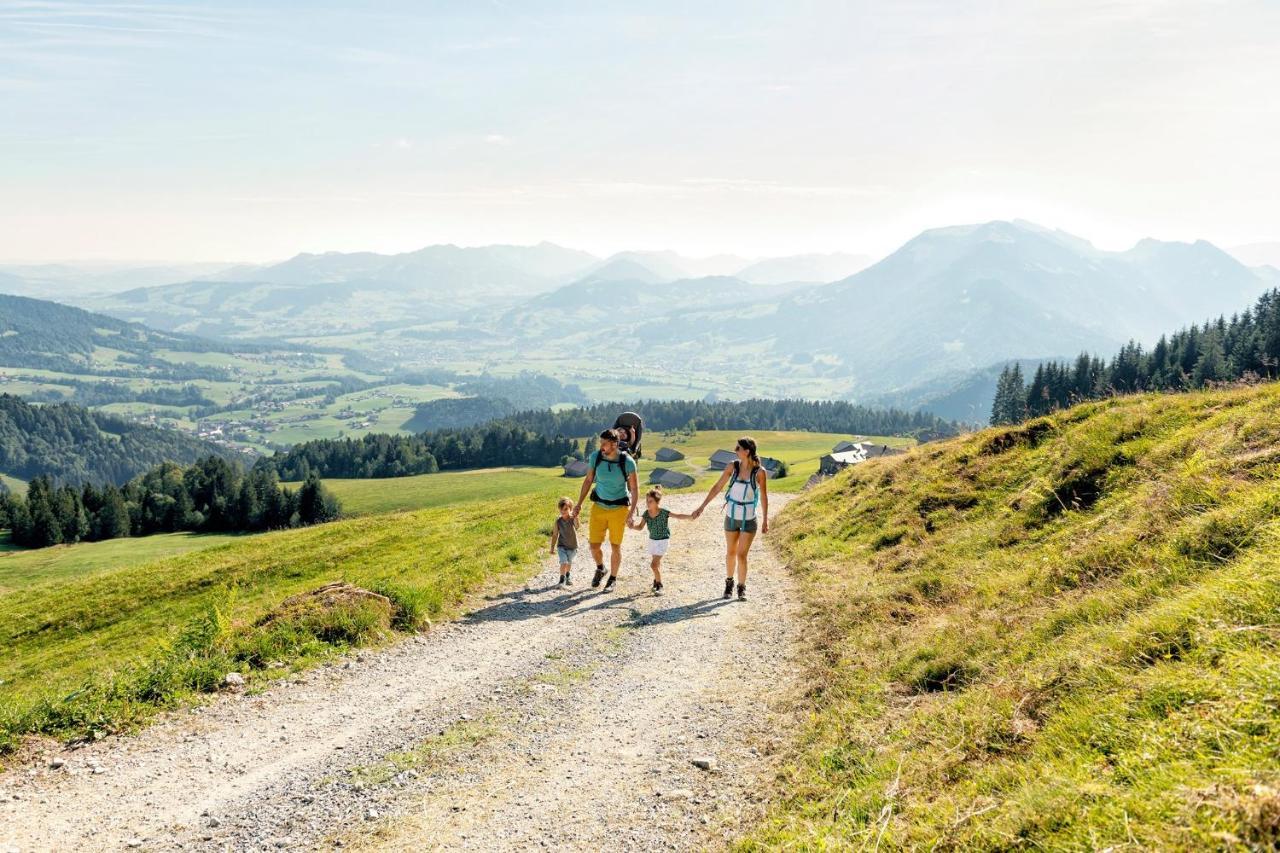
(216, 131)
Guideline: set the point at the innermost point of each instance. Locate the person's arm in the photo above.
(683, 516)
(633, 486)
(582, 496)
(637, 524)
(764, 500)
(555, 535)
(714, 490)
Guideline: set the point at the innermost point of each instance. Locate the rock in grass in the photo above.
(704, 762)
(57, 764)
(233, 679)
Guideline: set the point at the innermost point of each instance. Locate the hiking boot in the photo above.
(728, 588)
(568, 581)
(742, 592)
(597, 577)
(608, 585)
(564, 581)
(657, 587)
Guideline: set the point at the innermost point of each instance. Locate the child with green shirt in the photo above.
(657, 520)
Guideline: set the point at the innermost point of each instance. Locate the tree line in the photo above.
(541, 437)
(802, 415)
(211, 496)
(379, 455)
(1246, 347)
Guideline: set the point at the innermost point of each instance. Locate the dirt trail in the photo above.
(545, 718)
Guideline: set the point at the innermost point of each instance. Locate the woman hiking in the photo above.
(611, 480)
(746, 511)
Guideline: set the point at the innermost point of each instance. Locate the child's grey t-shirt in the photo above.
(568, 534)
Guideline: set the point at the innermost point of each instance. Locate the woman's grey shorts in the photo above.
(738, 525)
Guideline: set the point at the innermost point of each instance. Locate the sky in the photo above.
(219, 131)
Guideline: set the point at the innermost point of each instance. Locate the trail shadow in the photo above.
(608, 601)
(679, 613)
(521, 604)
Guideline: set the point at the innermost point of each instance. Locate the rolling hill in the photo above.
(45, 335)
(71, 444)
(1059, 635)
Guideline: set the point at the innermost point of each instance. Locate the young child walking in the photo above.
(564, 539)
(658, 520)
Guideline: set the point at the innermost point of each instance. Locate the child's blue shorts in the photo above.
(566, 554)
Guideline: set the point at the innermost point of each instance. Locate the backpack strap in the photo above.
(620, 461)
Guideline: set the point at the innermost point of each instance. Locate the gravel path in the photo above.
(545, 718)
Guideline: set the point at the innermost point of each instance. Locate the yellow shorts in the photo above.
(610, 518)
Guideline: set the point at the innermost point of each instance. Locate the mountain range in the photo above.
(948, 303)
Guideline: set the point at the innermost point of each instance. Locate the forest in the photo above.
(380, 455)
(1244, 348)
(211, 496)
(72, 445)
(540, 437)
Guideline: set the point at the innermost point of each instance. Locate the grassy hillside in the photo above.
(38, 565)
(99, 647)
(1056, 636)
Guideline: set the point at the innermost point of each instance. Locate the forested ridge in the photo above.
(1245, 347)
(72, 445)
(380, 455)
(543, 437)
(802, 415)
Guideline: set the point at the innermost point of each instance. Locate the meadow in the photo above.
(83, 622)
(1060, 635)
(100, 648)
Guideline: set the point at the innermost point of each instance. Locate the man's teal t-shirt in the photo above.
(611, 481)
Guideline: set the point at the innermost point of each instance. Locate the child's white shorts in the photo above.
(658, 547)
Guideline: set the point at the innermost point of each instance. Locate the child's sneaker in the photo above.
(728, 588)
(563, 580)
(568, 580)
(608, 585)
(657, 587)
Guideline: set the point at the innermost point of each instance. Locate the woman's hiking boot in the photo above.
(657, 587)
(597, 577)
(742, 592)
(608, 585)
(728, 588)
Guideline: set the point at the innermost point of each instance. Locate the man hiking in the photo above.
(611, 481)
